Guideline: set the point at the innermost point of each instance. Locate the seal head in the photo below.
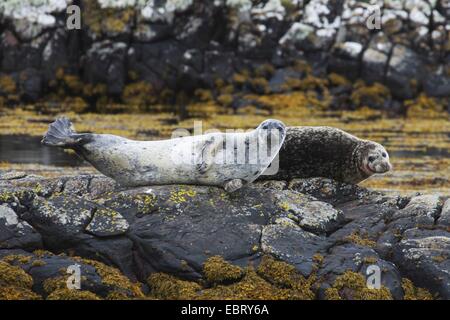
(373, 158)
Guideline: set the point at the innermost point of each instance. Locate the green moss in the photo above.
(352, 286)
(164, 286)
(217, 270)
(411, 292)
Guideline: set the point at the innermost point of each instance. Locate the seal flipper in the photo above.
(61, 134)
(207, 154)
(233, 185)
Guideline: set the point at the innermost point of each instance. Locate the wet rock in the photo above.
(346, 59)
(312, 215)
(50, 274)
(423, 209)
(444, 218)
(426, 252)
(290, 243)
(404, 67)
(106, 223)
(15, 233)
(320, 227)
(105, 64)
(351, 257)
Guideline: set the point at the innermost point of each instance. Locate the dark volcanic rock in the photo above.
(320, 227)
(185, 45)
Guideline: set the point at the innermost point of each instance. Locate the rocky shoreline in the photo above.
(303, 239)
(168, 50)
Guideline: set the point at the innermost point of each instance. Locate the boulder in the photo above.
(321, 228)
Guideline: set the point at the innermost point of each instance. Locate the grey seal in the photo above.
(329, 153)
(230, 160)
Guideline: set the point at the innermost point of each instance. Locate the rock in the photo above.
(106, 223)
(312, 215)
(318, 228)
(15, 233)
(425, 252)
(356, 258)
(444, 218)
(423, 209)
(105, 64)
(288, 242)
(404, 67)
(437, 85)
(346, 59)
(12, 175)
(50, 275)
(153, 39)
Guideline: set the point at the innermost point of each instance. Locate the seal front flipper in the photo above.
(61, 134)
(207, 153)
(233, 185)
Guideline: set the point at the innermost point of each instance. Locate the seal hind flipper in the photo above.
(61, 134)
(233, 185)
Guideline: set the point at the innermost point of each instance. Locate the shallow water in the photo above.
(28, 149)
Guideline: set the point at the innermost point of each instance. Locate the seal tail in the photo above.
(61, 134)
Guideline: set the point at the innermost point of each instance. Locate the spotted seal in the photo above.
(330, 153)
(230, 160)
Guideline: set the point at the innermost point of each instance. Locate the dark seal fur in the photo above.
(329, 153)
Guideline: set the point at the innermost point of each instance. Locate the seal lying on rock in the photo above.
(329, 153)
(230, 160)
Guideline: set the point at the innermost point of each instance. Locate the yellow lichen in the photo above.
(181, 195)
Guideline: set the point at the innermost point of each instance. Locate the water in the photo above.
(26, 149)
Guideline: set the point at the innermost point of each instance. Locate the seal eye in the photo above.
(371, 159)
(384, 154)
